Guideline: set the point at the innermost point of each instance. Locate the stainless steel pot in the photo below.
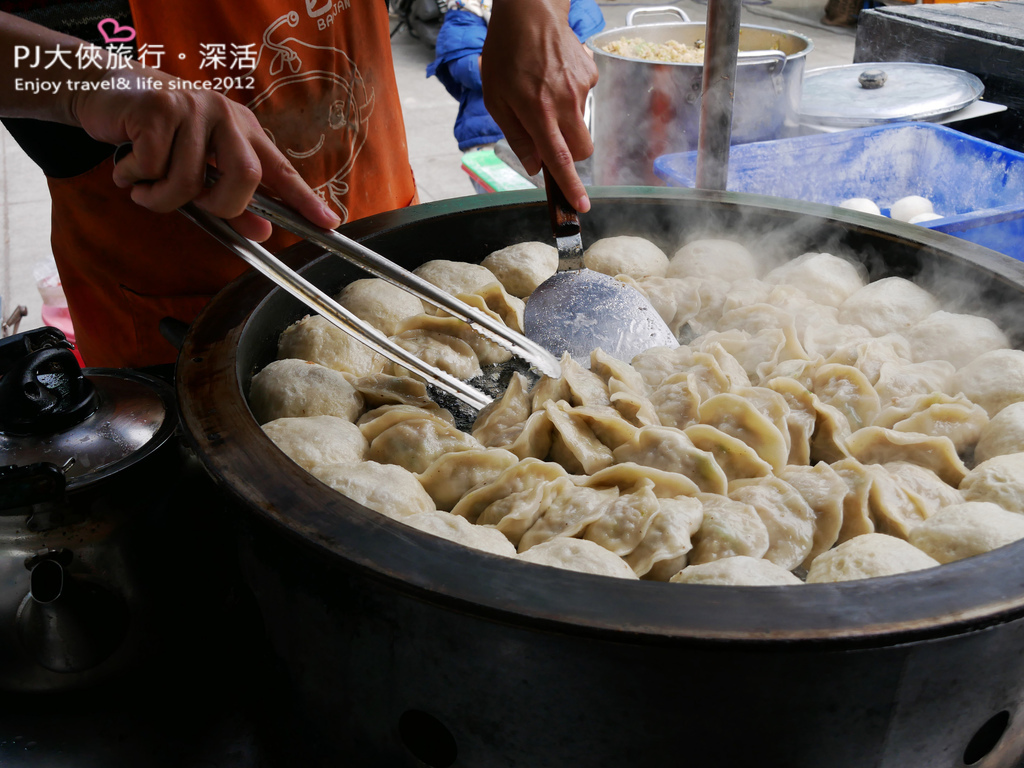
(643, 109)
(87, 461)
(397, 648)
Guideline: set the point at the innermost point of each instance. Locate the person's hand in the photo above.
(175, 133)
(536, 77)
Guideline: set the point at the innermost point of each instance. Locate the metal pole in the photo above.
(721, 49)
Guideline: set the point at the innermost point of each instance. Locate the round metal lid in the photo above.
(873, 93)
(135, 413)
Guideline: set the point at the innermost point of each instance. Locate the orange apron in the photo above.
(320, 80)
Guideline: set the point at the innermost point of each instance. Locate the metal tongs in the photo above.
(277, 271)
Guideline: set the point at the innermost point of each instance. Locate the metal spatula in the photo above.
(577, 310)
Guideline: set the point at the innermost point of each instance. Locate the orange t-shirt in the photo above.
(319, 78)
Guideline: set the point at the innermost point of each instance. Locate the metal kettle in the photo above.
(84, 454)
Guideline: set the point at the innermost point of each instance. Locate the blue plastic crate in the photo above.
(976, 186)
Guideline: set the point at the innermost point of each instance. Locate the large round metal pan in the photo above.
(400, 648)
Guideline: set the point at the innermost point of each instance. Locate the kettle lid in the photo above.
(91, 421)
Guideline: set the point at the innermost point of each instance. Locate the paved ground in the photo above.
(429, 115)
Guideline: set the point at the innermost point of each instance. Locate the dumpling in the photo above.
(372, 423)
(452, 475)
(955, 338)
(926, 488)
(501, 422)
(671, 450)
(869, 355)
(887, 305)
(567, 510)
(788, 518)
(740, 571)
(315, 339)
(894, 510)
(520, 268)
(728, 529)
(937, 414)
(823, 490)
(310, 441)
(801, 417)
(823, 340)
(737, 459)
(636, 257)
(753, 318)
(488, 352)
(875, 445)
(735, 415)
(868, 556)
(677, 300)
(965, 530)
(662, 551)
(999, 480)
(524, 477)
(461, 531)
(625, 521)
(384, 488)
(720, 259)
(676, 402)
(450, 354)
(1003, 434)
(379, 303)
(827, 278)
(288, 388)
(629, 477)
(859, 479)
(993, 380)
(899, 380)
(574, 444)
(493, 299)
(415, 443)
(578, 555)
(385, 389)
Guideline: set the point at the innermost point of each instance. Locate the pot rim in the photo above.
(956, 598)
(607, 34)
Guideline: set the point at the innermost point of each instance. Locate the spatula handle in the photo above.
(565, 221)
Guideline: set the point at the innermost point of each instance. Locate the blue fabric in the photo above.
(457, 66)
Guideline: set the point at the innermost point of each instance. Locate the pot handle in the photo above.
(656, 9)
(778, 57)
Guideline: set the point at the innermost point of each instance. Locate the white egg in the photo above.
(908, 207)
(861, 204)
(924, 217)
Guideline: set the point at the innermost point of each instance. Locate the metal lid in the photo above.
(134, 413)
(873, 93)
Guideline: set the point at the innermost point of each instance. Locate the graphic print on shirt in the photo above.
(334, 109)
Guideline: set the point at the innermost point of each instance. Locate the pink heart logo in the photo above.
(117, 33)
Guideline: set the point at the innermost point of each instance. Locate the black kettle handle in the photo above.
(45, 392)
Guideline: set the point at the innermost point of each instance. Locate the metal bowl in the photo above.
(399, 648)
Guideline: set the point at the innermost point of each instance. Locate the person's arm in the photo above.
(175, 131)
(536, 77)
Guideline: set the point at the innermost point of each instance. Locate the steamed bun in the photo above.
(739, 571)
(965, 530)
(316, 440)
(578, 555)
(625, 255)
(520, 268)
(1003, 434)
(461, 531)
(867, 556)
(887, 305)
(714, 259)
(379, 303)
(299, 388)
